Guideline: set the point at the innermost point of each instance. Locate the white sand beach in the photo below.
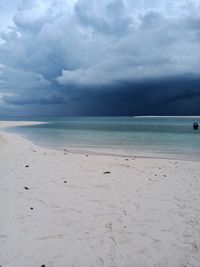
(60, 209)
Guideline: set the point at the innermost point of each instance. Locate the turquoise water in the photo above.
(162, 136)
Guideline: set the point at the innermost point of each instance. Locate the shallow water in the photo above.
(161, 136)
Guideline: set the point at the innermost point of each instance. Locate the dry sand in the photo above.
(60, 209)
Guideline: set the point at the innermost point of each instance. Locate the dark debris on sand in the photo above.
(107, 172)
(26, 188)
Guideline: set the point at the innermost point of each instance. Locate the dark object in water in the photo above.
(106, 172)
(31, 208)
(195, 126)
(43, 265)
(25, 187)
(65, 182)
(27, 166)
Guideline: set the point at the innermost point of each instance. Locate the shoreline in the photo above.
(9, 124)
(139, 156)
(64, 209)
(96, 151)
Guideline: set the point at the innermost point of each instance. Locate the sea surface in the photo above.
(171, 137)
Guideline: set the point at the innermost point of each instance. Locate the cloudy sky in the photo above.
(108, 57)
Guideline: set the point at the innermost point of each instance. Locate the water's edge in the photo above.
(146, 137)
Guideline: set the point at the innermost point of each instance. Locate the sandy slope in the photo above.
(146, 212)
(5, 124)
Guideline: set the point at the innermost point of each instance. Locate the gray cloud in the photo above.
(54, 49)
(53, 99)
(105, 17)
(152, 42)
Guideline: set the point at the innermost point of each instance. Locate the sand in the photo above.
(60, 209)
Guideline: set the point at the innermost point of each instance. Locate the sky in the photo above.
(108, 57)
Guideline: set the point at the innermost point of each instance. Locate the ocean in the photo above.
(171, 137)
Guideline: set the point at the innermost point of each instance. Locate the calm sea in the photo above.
(145, 136)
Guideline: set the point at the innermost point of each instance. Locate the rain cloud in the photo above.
(109, 57)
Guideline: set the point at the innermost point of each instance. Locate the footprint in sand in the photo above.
(195, 247)
(3, 239)
(108, 227)
(125, 212)
(113, 239)
(101, 261)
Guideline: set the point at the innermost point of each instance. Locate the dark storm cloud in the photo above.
(41, 101)
(100, 57)
(180, 96)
